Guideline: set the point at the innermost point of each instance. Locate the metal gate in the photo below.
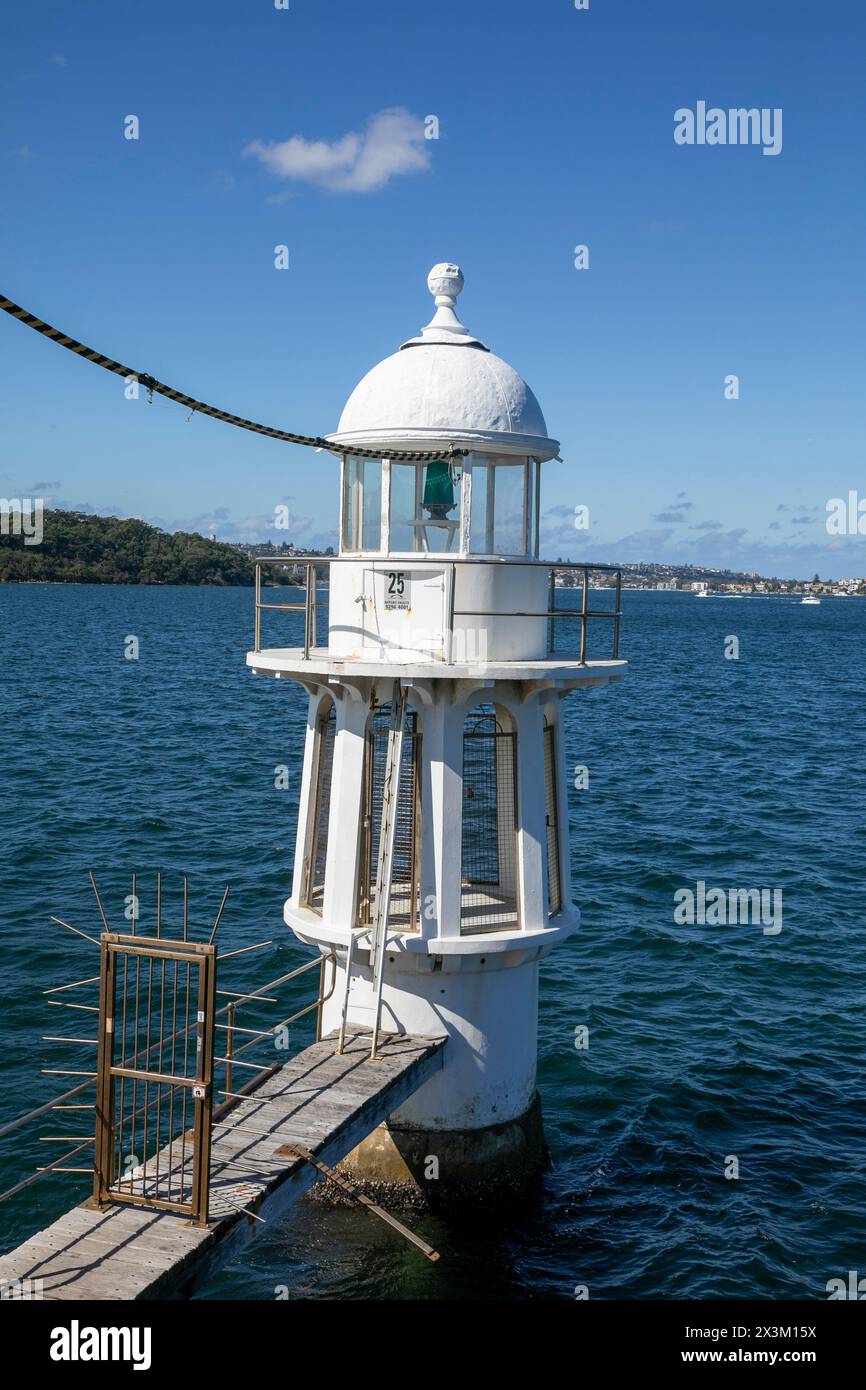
(154, 1080)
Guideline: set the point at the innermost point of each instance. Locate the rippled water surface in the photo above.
(704, 1042)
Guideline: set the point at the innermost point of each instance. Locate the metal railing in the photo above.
(552, 614)
(309, 607)
(232, 1052)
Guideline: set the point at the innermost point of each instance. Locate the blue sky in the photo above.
(555, 128)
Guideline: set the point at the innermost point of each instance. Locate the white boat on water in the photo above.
(701, 593)
(810, 598)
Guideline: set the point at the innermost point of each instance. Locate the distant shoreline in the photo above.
(82, 548)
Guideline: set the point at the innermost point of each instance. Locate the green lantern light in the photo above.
(438, 490)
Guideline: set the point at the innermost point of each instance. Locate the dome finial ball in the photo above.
(445, 282)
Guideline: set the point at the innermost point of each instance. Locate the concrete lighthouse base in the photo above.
(472, 1132)
(399, 1166)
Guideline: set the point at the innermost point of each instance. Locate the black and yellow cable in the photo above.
(151, 384)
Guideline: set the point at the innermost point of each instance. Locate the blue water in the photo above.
(704, 1042)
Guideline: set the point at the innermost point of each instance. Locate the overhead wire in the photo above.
(153, 386)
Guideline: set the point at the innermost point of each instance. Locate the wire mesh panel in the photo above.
(403, 912)
(488, 899)
(326, 733)
(155, 1073)
(554, 883)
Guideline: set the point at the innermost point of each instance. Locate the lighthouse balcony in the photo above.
(442, 618)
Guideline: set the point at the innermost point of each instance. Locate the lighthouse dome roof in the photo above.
(445, 387)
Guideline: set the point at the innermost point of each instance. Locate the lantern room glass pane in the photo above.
(362, 504)
(501, 523)
(509, 511)
(425, 507)
(481, 523)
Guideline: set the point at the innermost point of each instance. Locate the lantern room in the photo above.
(440, 536)
(482, 497)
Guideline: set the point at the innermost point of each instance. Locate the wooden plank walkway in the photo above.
(325, 1103)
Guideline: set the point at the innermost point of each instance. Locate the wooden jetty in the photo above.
(320, 1101)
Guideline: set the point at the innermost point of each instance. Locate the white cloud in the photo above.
(392, 143)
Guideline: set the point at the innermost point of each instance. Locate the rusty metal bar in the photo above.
(583, 616)
(66, 1071)
(350, 950)
(104, 1148)
(172, 1088)
(134, 1056)
(56, 1169)
(123, 1030)
(244, 950)
(258, 629)
(93, 1041)
(162, 951)
(99, 902)
(363, 1200)
(60, 922)
(551, 608)
(320, 1001)
(42, 1110)
(184, 1092)
(153, 1076)
(219, 915)
(66, 1139)
(75, 984)
(450, 611)
(204, 1103)
(159, 1096)
(307, 600)
(251, 1032)
(230, 1043)
(239, 995)
(147, 1051)
(41, 1172)
(283, 607)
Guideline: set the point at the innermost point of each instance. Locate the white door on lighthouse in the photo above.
(403, 612)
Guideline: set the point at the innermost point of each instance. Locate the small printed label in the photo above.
(396, 592)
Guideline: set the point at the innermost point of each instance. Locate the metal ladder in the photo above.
(384, 868)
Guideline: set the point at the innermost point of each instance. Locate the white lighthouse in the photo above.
(432, 843)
